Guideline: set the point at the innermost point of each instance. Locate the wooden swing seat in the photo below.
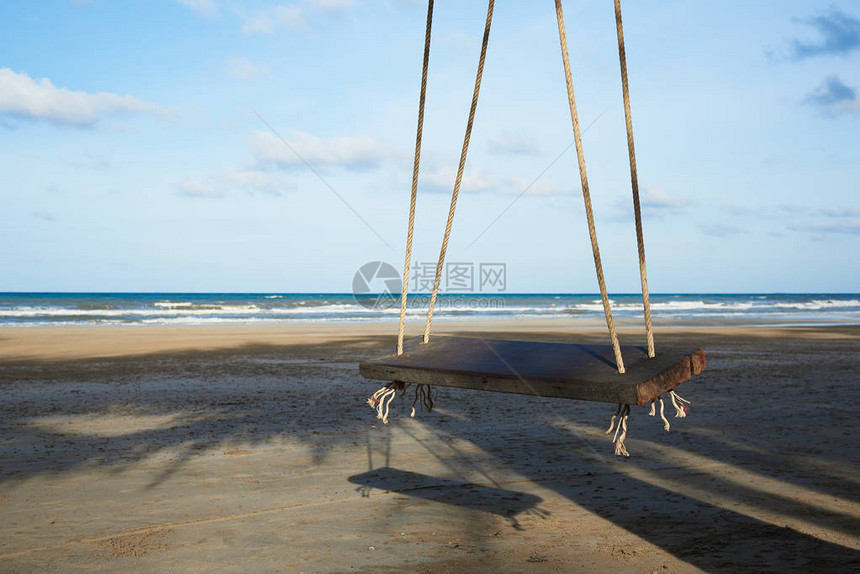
(558, 370)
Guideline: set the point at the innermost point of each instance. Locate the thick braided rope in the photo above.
(413, 200)
(459, 179)
(634, 179)
(585, 194)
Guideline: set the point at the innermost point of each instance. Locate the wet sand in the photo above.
(242, 449)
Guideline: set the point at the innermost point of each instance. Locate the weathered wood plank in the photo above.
(561, 370)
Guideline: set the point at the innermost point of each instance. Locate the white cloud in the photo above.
(202, 7)
(720, 229)
(442, 180)
(293, 16)
(22, 96)
(841, 212)
(656, 199)
(513, 143)
(333, 6)
(271, 183)
(846, 228)
(94, 162)
(542, 186)
(258, 24)
(240, 68)
(352, 152)
(43, 215)
(234, 179)
(289, 16)
(193, 187)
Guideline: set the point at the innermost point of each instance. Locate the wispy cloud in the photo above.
(253, 180)
(740, 210)
(243, 69)
(794, 212)
(542, 186)
(841, 213)
(237, 179)
(654, 199)
(792, 208)
(94, 162)
(351, 152)
(282, 16)
(834, 97)
(845, 228)
(839, 35)
(441, 180)
(199, 189)
(333, 6)
(720, 229)
(23, 97)
(202, 7)
(44, 215)
(513, 143)
(292, 16)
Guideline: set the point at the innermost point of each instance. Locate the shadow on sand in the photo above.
(506, 503)
(52, 420)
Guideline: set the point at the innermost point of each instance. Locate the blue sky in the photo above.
(136, 154)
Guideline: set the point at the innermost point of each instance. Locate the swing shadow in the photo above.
(505, 503)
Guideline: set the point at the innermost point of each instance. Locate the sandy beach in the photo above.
(251, 449)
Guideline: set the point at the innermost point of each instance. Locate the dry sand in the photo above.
(250, 449)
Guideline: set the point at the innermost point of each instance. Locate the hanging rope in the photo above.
(585, 194)
(634, 179)
(418, 136)
(459, 179)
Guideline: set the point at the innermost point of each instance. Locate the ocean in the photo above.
(85, 309)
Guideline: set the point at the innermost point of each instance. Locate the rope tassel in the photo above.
(680, 403)
(380, 401)
(618, 441)
(681, 408)
(422, 393)
(618, 421)
(612, 420)
(653, 412)
(666, 425)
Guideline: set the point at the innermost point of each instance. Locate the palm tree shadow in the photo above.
(60, 415)
(712, 537)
